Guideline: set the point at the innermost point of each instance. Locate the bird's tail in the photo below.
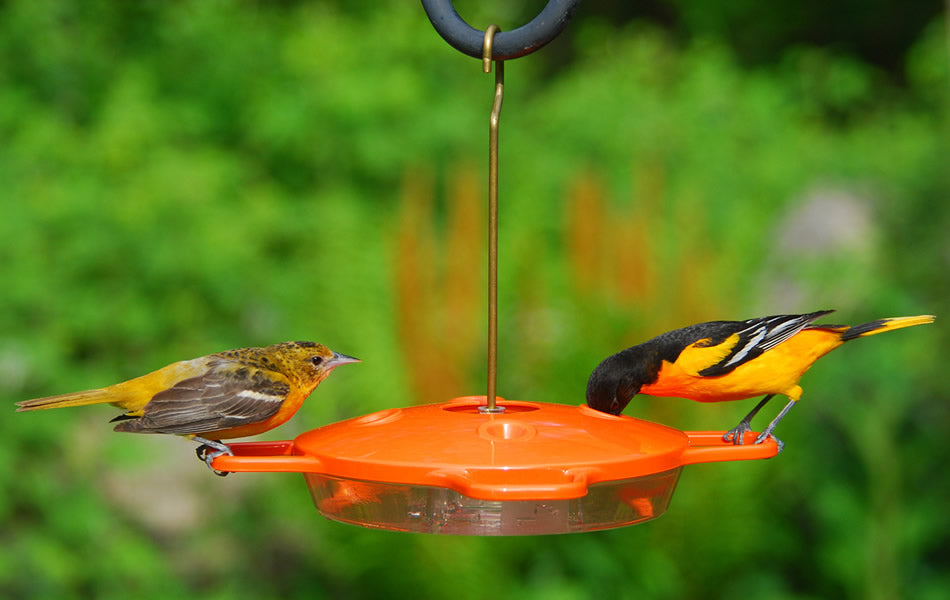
(100, 396)
(882, 325)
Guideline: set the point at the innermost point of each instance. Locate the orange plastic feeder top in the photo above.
(450, 468)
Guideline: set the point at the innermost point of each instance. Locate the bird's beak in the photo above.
(341, 359)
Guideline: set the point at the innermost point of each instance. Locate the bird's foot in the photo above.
(737, 433)
(766, 435)
(210, 450)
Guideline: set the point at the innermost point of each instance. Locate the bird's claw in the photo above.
(766, 435)
(736, 435)
(210, 450)
(201, 451)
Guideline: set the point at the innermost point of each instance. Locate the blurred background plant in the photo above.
(183, 177)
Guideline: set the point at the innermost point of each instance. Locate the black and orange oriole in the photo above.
(728, 360)
(226, 395)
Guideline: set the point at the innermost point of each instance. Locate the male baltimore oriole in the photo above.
(226, 395)
(728, 360)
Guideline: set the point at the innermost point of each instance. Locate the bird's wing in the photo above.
(227, 395)
(717, 341)
(750, 339)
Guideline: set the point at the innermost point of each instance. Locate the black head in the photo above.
(618, 379)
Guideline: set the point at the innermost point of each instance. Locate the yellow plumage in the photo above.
(728, 360)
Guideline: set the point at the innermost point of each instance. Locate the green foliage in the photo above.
(184, 177)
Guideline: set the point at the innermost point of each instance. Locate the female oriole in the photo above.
(226, 395)
(728, 360)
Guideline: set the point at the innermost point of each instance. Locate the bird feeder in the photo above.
(452, 468)
(482, 465)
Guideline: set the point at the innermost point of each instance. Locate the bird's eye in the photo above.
(316, 361)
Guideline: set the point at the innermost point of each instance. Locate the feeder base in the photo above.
(427, 509)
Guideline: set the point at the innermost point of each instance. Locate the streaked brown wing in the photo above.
(227, 395)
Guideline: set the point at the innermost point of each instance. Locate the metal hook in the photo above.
(493, 121)
(524, 40)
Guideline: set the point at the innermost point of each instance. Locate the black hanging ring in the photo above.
(507, 44)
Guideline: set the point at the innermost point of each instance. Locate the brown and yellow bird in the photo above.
(230, 394)
(728, 360)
